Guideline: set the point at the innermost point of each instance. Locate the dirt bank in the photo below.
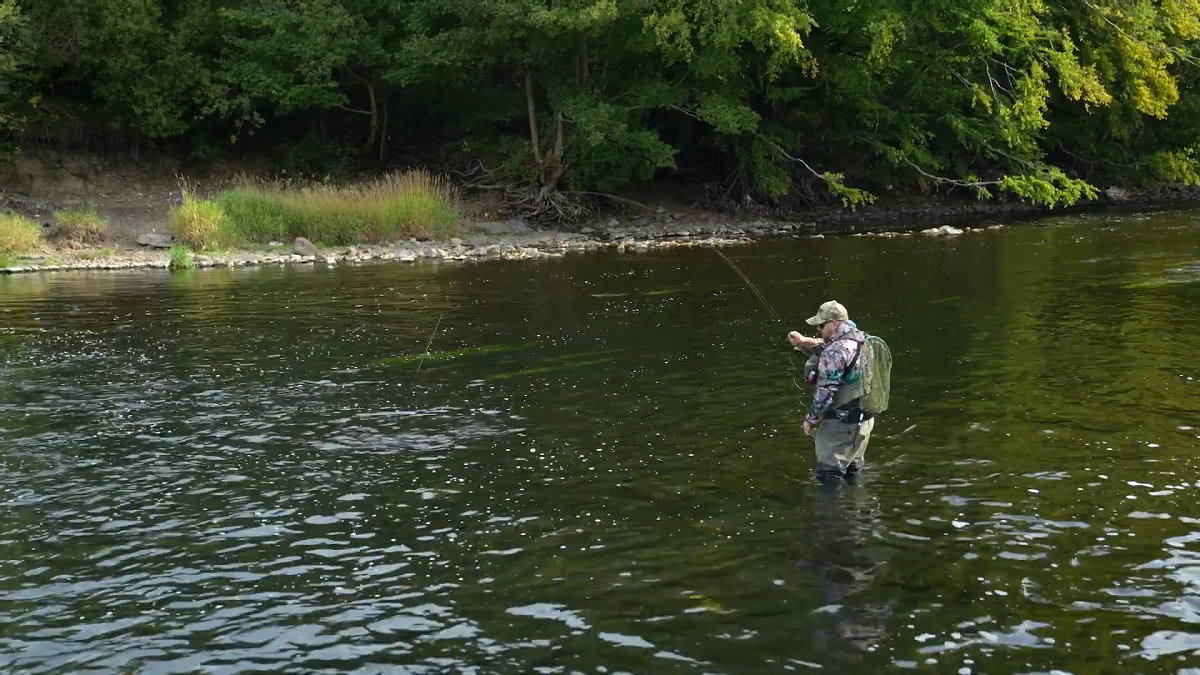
(136, 198)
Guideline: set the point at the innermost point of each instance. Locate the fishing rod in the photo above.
(763, 300)
(752, 287)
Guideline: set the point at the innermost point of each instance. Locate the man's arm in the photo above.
(805, 343)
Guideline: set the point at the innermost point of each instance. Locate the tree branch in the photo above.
(942, 180)
(613, 197)
(764, 139)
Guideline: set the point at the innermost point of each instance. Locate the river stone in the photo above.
(304, 247)
(156, 240)
(1117, 194)
(943, 231)
(456, 242)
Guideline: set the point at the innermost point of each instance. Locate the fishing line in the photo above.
(427, 344)
(763, 300)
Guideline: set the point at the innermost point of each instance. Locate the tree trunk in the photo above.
(557, 167)
(583, 64)
(533, 129)
(374, 118)
(383, 132)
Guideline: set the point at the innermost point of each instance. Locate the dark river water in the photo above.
(599, 468)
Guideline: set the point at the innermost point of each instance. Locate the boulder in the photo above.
(156, 240)
(943, 231)
(304, 247)
(1117, 194)
(514, 226)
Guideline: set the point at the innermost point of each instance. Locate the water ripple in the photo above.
(228, 471)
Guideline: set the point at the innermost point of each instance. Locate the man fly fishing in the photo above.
(851, 389)
(853, 374)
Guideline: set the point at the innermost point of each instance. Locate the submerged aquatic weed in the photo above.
(454, 354)
(549, 369)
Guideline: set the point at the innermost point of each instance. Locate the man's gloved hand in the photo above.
(802, 341)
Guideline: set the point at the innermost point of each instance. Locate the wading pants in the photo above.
(840, 444)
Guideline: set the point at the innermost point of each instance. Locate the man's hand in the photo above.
(802, 342)
(809, 428)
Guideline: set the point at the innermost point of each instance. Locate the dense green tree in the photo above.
(784, 102)
(12, 47)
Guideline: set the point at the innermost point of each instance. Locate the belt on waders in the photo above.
(849, 413)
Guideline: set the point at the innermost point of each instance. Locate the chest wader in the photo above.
(842, 438)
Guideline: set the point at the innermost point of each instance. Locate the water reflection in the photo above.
(843, 548)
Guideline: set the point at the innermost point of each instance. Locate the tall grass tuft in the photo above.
(18, 235)
(81, 226)
(181, 258)
(199, 223)
(396, 206)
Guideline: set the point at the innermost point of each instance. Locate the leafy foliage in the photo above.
(784, 102)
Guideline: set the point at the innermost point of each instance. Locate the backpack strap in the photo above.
(858, 352)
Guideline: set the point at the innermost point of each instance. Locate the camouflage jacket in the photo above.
(836, 354)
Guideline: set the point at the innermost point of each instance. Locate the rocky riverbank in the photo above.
(511, 240)
(138, 238)
(135, 202)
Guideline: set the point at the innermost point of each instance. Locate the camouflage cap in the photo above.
(830, 311)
